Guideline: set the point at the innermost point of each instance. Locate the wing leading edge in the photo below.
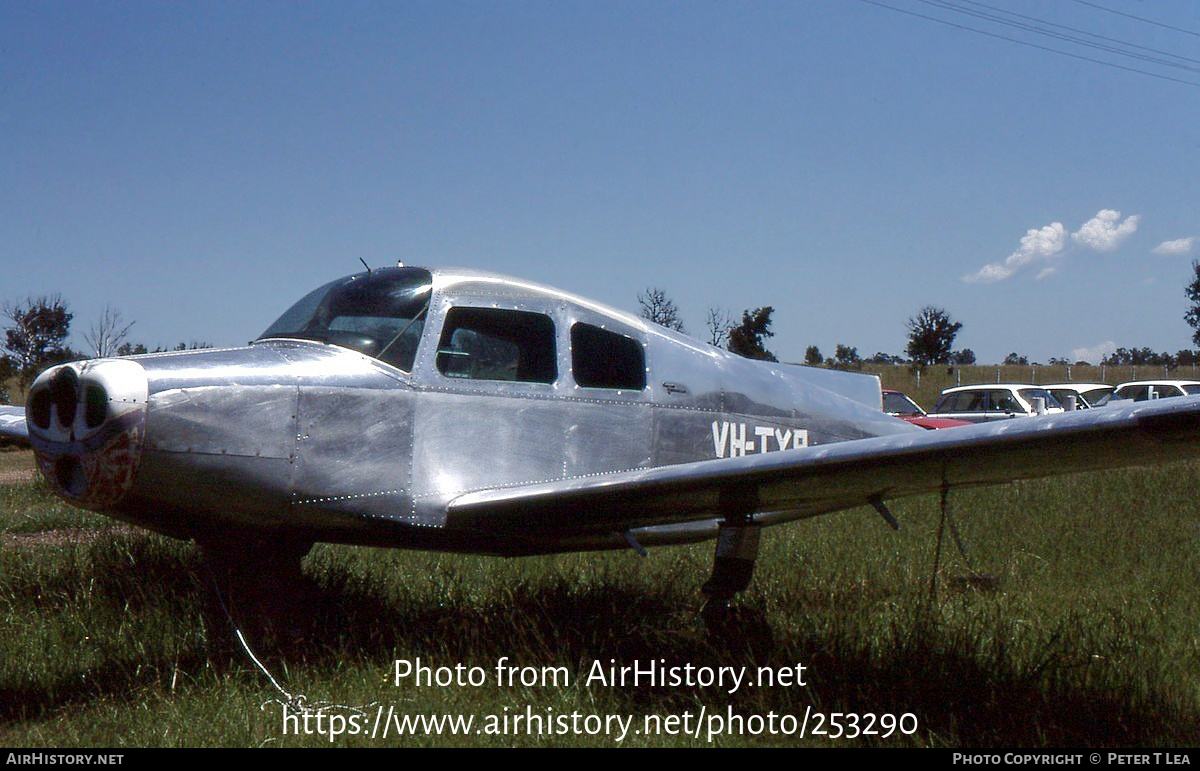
(783, 486)
(12, 424)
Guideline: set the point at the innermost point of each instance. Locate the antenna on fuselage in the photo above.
(365, 265)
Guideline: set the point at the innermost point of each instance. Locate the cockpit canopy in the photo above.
(380, 313)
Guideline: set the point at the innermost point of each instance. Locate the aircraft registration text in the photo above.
(734, 440)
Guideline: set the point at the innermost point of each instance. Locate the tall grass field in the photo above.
(1070, 617)
(926, 386)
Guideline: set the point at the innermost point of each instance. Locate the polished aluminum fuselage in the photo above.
(338, 446)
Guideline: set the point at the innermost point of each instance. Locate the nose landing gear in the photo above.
(259, 583)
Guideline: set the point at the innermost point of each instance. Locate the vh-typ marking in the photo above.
(729, 439)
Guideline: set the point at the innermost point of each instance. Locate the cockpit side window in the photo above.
(604, 359)
(497, 344)
(380, 313)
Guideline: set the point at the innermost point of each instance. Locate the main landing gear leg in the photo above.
(733, 566)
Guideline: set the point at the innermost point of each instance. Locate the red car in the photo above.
(899, 405)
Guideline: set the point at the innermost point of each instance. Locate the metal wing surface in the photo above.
(12, 424)
(805, 482)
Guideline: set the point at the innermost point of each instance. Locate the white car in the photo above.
(1086, 394)
(982, 403)
(1143, 390)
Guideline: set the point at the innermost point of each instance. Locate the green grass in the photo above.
(1083, 632)
(26, 506)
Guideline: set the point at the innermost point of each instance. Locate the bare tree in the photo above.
(719, 322)
(657, 307)
(106, 335)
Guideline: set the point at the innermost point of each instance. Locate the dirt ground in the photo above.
(16, 466)
(14, 476)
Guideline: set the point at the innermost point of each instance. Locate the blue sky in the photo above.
(198, 166)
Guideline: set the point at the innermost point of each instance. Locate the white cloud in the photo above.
(1102, 232)
(1094, 354)
(1037, 245)
(1178, 246)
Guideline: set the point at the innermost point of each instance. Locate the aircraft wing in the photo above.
(805, 482)
(12, 425)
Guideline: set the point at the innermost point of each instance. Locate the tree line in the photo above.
(931, 334)
(36, 332)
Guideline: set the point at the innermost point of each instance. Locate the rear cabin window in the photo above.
(1002, 401)
(962, 401)
(497, 344)
(603, 359)
(1138, 393)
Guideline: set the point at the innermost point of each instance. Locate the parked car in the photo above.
(1142, 390)
(897, 404)
(1001, 401)
(1086, 394)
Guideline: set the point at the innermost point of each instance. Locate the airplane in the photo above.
(465, 411)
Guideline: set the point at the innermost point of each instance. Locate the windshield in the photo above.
(380, 313)
(898, 404)
(1029, 394)
(1063, 395)
(1095, 395)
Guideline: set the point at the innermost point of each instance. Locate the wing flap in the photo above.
(816, 480)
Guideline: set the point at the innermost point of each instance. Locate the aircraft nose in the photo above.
(86, 421)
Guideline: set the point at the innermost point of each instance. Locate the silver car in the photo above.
(1144, 390)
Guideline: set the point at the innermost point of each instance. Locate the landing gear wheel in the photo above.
(738, 629)
(259, 585)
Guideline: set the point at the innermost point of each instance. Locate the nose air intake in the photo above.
(87, 425)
